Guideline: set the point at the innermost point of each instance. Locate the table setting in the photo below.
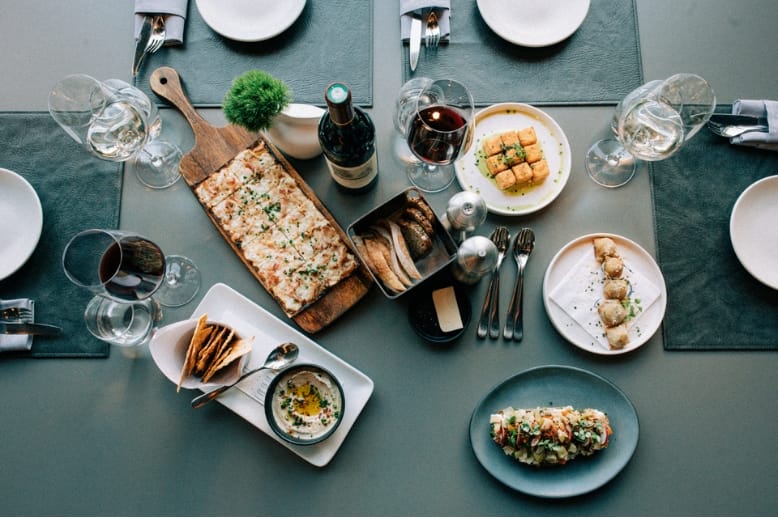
(560, 247)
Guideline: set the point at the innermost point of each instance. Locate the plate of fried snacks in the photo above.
(519, 161)
(605, 294)
(753, 232)
(554, 431)
(534, 23)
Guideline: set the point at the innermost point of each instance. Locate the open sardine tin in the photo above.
(444, 248)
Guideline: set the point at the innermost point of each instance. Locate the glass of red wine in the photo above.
(126, 267)
(439, 130)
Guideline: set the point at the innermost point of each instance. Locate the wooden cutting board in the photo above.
(214, 147)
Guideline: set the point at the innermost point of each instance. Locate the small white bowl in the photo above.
(168, 349)
(295, 130)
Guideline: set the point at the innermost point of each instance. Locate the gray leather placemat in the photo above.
(330, 41)
(599, 64)
(713, 303)
(77, 192)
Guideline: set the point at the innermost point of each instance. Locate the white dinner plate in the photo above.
(636, 258)
(21, 221)
(534, 23)
(556, 150)
(753, 230)
(225, 305)
(557, 386)
(250, 20)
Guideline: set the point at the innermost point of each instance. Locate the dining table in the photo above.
(110, 436)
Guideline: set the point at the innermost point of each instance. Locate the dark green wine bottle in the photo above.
(347, 138)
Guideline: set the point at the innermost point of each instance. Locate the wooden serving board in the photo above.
(214, 147)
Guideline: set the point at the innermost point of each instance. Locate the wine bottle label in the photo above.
(355, 177)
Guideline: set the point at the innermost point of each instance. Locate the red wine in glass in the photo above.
(132, 269)
(437, 134)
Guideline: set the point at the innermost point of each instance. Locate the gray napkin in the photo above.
(760, 108)
(175, 11)
(17, 342)
(409, 7)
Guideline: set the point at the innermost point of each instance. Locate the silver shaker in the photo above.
(476, 257)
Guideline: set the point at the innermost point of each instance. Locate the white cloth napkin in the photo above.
(580, 292)
(174, 21)
(409, 7)
(760, 108)
(16, 342)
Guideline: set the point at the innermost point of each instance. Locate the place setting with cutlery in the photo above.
(286, 253)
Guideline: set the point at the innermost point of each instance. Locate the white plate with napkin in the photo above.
(572, 290)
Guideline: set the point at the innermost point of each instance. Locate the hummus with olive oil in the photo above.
(307, 404)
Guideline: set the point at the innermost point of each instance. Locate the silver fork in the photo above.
(432, 31)
(489, 322)
(514, 321)
(15, 313)
(157, 35)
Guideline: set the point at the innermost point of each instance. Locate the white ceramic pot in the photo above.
(295, 130)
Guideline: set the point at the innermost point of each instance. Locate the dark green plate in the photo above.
(557, 386)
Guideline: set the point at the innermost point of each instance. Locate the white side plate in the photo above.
(21, 221)
(753, 230)
(534, 23)
(225, 305)
(250, 20)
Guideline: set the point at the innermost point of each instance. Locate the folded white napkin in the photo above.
(410, 7)
(16, 342)
(580, 293)
(760, 108)
(174, 21)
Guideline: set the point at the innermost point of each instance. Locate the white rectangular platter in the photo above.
(225, 305)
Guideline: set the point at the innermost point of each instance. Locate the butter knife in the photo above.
(140, 45)
(415, 42)
(733, 119)
(29, 329)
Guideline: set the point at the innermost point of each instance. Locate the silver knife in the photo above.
(29, 329)
(140, 45)
(415, 42)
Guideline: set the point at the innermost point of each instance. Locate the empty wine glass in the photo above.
(127, 267)
(438, 131)
(115, 121)
(651, 123)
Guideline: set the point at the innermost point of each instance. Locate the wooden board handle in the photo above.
(166, 83)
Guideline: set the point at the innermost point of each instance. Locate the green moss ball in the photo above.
(254, 99)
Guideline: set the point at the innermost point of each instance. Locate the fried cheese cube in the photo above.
(523, 173)
(527, 136)
(510, 138)
(493, 145)
(513, 156)
(540, 171)
(532, 153)
(496, 163)
(505, 179)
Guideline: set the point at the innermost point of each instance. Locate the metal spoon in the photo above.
(281, 356)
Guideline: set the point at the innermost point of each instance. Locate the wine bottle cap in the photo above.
(338, 98)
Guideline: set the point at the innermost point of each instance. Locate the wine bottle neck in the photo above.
(338, 98)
